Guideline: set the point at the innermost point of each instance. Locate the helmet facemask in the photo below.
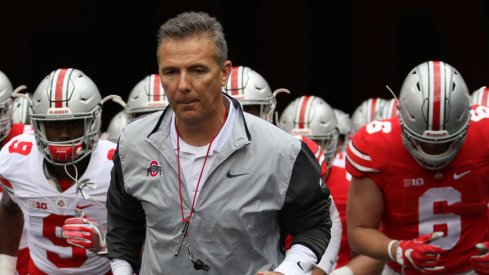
(264, 107)
(73, 150)
(5, 118)
(329, 143)
(432, 160)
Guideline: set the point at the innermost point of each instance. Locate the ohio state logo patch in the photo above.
(153, 169)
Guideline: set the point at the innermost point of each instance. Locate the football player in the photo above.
(423, 176)
(61, 173)
(146, 97)
(313, 118)
(253, 92)
(115, 127)
(480, 97)
(14, 120)
(388, 110)
(366, 111)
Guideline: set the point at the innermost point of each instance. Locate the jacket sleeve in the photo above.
(305, 214)
(125, 220)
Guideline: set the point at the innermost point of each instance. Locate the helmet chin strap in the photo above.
(82, 185)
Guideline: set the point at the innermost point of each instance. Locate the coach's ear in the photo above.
(226, 71)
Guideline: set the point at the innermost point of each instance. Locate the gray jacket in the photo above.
(262, 185)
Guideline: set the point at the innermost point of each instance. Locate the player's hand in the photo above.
(480, 262)
(84, 233)
(419, 253)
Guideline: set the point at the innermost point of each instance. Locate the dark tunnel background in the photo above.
(342, 51)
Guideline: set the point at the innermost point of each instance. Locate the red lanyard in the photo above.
(192, 209)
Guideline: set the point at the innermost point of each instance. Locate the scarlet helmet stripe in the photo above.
(59, 87)
(236, 76)
(302, 112)
(435, 96)
(485, 97)
(156, 87)
(372, 109)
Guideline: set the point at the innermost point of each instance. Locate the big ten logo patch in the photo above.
(39, 205)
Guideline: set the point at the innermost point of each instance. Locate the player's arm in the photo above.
(364, 210)
(363, 213)
(331, 254)
(362, 264)
(11, 224)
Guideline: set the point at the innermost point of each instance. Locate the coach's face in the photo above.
(192, 78)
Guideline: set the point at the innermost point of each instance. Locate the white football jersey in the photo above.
(46, 209)
(18, 129)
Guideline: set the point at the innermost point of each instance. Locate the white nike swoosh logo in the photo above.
(458, 176)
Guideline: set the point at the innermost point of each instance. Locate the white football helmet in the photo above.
(22, 110)
(250, 88)
(345, 127)
(146, 97)
(480, 97)
(117, 123)
(366, 111)
(388, 110)
(6, 91)
(312, 117)
(434, 112)
(67, 95)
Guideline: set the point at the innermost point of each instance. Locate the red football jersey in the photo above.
(418, 201)
(15, 130)
(338, 183)
(317, 151)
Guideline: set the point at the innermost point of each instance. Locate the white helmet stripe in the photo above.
(371, 109)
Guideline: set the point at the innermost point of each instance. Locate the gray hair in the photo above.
(191, 24)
